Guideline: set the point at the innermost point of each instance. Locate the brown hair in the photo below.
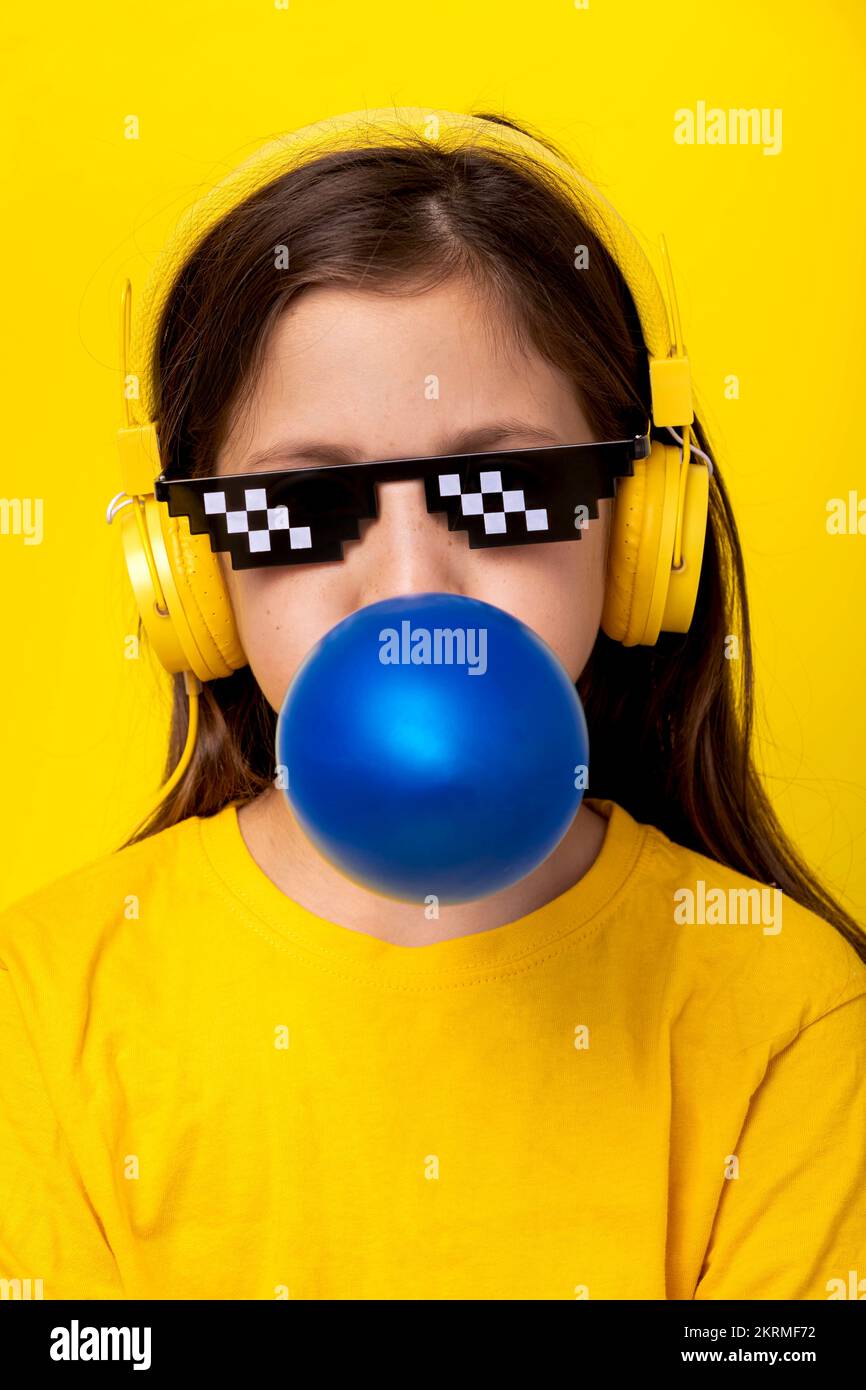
(670, 725)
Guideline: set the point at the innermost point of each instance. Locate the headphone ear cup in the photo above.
(198, 632)
(625, 537)
(204, 598)
(683, 587)
(641, 550)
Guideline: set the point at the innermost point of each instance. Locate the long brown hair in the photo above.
(670, 725)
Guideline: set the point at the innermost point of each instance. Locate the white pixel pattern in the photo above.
(275, 519)
(495, 522)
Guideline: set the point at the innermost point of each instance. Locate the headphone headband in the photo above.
(670, 381)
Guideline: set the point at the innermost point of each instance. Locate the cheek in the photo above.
(557, 590)
(280, 615)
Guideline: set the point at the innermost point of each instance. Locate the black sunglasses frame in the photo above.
(334, 499)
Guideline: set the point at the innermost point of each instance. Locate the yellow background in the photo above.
(767, 252)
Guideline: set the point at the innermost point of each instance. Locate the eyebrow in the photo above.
(465, 442)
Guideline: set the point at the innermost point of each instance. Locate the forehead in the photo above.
(360, 364)
(456, 315)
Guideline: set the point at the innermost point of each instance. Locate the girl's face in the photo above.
(351, 372)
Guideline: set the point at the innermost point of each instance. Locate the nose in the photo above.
(405, 549)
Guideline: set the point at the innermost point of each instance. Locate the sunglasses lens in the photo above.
(513, 497)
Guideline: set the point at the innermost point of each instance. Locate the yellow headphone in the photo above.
(660, 514)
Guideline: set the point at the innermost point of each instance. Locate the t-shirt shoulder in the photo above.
(764, 966)
(97, 893)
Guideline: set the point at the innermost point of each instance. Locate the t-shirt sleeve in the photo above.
(792, 1223)
(50, 1233)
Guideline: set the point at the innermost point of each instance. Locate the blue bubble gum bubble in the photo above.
(433, 745)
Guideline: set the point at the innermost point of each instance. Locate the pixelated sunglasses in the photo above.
(304, 515)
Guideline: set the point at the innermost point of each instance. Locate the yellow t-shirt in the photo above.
(207, 1091)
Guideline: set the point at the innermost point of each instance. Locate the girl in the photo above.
(231, 1072)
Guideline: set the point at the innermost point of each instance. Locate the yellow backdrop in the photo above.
(766, 238)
